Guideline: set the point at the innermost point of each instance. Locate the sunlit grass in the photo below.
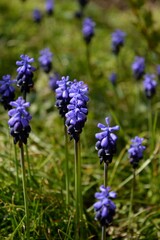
(126, 105)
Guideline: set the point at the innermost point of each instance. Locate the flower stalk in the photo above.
(78, 192)
(16, 164)
(105, 184)
(131, 204)
(66, 165)
(25, 191)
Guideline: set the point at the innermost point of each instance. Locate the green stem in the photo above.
(25, 190)
(78, 191)
(131, 203)
(16, 164)
(105, 184)
(27, 156)
(66, 165)
(89, 60)
(150, 129)
(105, 174)
(24, 95)
(28, 162)
(117, 88)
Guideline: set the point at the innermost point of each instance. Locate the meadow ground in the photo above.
(125, 103)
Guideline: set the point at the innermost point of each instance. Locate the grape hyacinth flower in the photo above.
(77, 109)
(149, 85)
(45, 60)
(37, 15)
(49, 7)
(7, 91)
(88, 29)
(53, 81)
(106, 144)
(105, 207)
(136, 151)
(62, 95)
(118, 38)
(82, 4)
(113, 78)
(25, 73)
(138, 67)
(19, 121)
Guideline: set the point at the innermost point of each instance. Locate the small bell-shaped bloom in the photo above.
(53, 81)
(105, 208)
(138, 67)
(37, 15)
(106, 144)
(136, 151)
(77, 109)
(82, 4)
(49, 7)
(88, 29)
(25, 73)
(19, 121)
(113, 78)
(62, 95)
(7, 91)
(118, 38)
(149, 85)
(45, 60)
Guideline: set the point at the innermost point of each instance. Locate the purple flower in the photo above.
(19, 121)
(7, 91)
(149, 85)
(49, 7)
(45, 60)
(77, 109)
(88, 29)
(25, 73)
(83, 3)
(37, 15)
(105, 207)
(118, 38)
(138, 67)
(106, 144)
(113, 78)
(53, 81)
(62, 95)
(136, 151)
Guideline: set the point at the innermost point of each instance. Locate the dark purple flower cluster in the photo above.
(49, 7)
(7, 91)
(53, 81)
(37, 15)
(19, 121)
(106, 144)
(83, 3)
(118, 38)
(113, 78)
(149, 85)
(105, 207)
(138, 67)
(25, 73)
(77, 108)
(136, 151)
(62, 95)
(88, 29)
(45, 60)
